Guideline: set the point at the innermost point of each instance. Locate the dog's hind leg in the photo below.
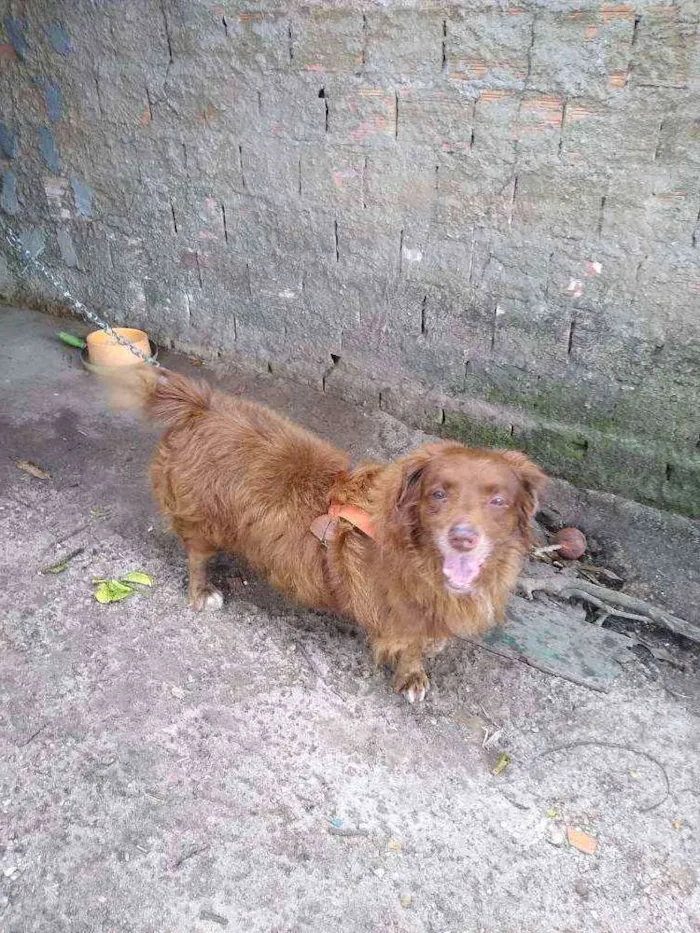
(203, 595)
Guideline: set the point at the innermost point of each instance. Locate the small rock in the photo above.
(582, 889)
(405, 899)
(555, 835)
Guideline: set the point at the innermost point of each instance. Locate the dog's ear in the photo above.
(532, 483)
(407, 491)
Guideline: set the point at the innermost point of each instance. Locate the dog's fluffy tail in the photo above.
(161, 394)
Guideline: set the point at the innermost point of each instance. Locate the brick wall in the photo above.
(480, 217)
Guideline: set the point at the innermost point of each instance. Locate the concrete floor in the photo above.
(249, 771)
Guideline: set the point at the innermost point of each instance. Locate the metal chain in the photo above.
(17, 245)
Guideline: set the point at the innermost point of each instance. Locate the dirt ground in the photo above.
(164, 772)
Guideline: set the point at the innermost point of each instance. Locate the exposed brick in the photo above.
(493, 46)
(583, 52)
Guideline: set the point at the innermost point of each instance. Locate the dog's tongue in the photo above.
(461, 570)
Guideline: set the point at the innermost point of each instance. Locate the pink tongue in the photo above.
(461, 570)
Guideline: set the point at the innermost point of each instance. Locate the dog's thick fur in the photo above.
(233, 476)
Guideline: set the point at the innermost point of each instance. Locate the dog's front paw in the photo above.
(413, 685)
(208, 597)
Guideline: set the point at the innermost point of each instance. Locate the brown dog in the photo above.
(415, 551)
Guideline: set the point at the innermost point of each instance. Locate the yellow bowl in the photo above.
(104, 350)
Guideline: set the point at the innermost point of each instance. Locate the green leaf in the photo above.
(72, 340)
(138, 576)
(112, 591)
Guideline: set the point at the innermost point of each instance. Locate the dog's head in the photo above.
(467, 505)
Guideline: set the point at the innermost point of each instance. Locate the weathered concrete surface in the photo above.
(163, 771)
(460, 203)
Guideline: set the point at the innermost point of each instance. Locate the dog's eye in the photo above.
(439, 494)
(498, 502)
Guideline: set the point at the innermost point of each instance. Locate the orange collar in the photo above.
(356, 516)
(325, 527)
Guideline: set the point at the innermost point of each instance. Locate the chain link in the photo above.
(16, 243)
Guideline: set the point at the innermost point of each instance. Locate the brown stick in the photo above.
(611, 601)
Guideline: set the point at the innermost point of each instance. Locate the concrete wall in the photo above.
(482, 217)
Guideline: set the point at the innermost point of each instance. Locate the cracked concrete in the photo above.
(249, 770)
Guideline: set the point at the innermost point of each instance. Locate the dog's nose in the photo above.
(463, 537)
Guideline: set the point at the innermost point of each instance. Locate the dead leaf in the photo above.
(55, 568)
(394, 845)
(584, 842)
(62, 565)
(678, 824)
(32, 469)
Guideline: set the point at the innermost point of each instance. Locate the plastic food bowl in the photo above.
(104, 351)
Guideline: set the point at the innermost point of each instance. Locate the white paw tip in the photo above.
(415, 693)
(214, 600)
